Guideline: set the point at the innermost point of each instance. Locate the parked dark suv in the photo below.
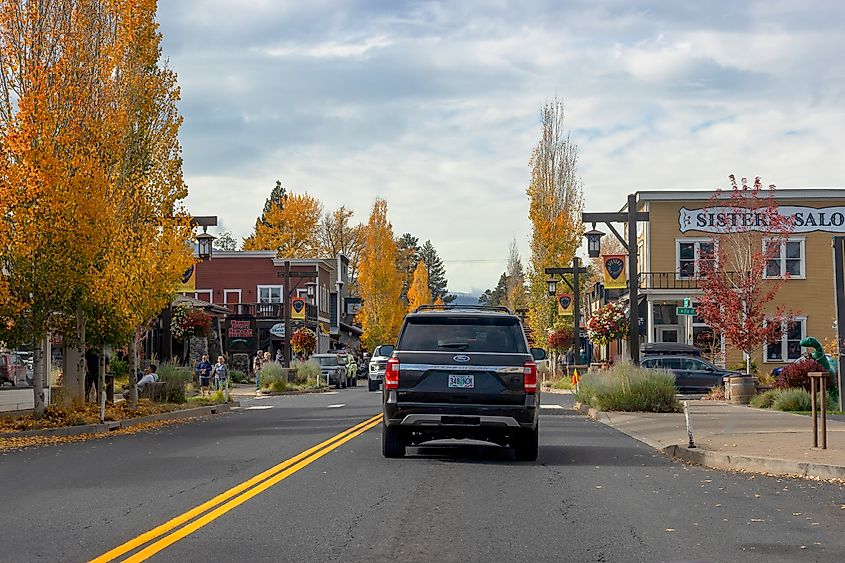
(462, 372)
(692, 374)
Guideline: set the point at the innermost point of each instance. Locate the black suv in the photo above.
(462, 372)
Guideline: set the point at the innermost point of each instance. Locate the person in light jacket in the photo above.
(221, 373)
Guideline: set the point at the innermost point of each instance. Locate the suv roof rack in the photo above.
(497, 308)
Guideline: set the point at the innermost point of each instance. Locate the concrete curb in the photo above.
(720, 460)
(128, 423)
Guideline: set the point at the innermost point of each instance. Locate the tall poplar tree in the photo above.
(380, 281)
(555, 204)
(419, 294)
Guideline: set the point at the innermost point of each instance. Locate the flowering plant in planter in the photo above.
(303, 341)
(187, 322)
(608, 324)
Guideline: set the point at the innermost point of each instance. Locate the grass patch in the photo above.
(629, 388)
(215, 398)
(563, 383)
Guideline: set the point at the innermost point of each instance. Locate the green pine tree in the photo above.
(277, 196)
(436, 273)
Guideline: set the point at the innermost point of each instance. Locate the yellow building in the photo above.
(683, 227)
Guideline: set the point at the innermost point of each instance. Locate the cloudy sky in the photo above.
(435, 105)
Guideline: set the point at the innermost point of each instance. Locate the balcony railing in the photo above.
(268, 310)
(671, 280)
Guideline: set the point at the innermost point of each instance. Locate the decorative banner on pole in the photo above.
(188, 281)
(564, 305)
(297, 308)
(614, 271)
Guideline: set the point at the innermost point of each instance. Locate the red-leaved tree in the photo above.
(749, 235)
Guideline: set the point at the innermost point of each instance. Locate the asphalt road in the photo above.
(593, 495)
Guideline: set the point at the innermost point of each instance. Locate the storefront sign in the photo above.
(240, 334)
(278, 329)
(731, 219)
(613, 266)
(297, 308)
(564, 305)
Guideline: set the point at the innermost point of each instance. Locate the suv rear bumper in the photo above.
(430, 416)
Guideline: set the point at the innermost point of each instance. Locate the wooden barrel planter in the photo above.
(742, 389)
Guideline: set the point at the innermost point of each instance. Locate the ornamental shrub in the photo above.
(626, 387)
(795, 375)
(273, 377)
(792, 400)
(176, 379)
(765, 400)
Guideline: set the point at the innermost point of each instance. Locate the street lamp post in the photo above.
(631, 216)
(575, 271)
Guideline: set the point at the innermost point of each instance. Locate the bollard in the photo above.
(817, 384)
(689, 425)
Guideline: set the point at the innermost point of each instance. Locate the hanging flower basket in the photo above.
(608, 324)
(188, 321)
(560, 339)
(303, 341)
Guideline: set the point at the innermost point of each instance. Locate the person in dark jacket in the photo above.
(204, 376)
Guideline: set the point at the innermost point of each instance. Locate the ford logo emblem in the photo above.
(461, 358)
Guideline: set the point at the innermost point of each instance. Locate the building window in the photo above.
(204, 295)
(788, 348)
(694, 256)
(269, 293)
(786, 258)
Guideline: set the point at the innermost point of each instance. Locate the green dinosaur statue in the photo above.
(818, 354)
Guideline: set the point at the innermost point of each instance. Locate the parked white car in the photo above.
(378, 362)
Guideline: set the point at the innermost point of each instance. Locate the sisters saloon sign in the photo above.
(731, 219)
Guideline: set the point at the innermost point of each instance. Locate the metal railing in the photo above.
(268, 310)
(673, 280)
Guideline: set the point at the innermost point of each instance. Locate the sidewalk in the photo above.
(739, 438)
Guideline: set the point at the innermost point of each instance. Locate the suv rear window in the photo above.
(495, 334)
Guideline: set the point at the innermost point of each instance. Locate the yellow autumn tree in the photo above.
(419, 292)
(91, 173)
(555, 203)
(148, 250)
(380, 282)
(53, 186)
(290, 227)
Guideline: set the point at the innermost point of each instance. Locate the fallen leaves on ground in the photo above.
(16, 443)
(89, 413)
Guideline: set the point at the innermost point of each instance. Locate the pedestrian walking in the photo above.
(257, 364)
(204, 376)
(280, 358)
(221, 374)
(92, 371)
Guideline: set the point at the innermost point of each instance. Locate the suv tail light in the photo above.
(391, 374)
(529, 376)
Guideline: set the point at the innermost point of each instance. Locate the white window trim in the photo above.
(696, 241)
(226, 293)
(782, 259)
(783, 349)
(258, 289)
(210, 293)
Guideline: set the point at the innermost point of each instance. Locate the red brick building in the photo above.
(251, 284)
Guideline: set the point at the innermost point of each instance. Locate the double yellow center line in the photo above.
(162, 536)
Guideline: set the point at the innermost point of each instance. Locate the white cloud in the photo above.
(435, 106)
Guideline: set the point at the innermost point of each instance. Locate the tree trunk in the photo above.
(73, 382)
(38, 378)
(133, 370)
(101, 382)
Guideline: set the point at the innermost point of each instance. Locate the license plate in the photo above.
(461, 381)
